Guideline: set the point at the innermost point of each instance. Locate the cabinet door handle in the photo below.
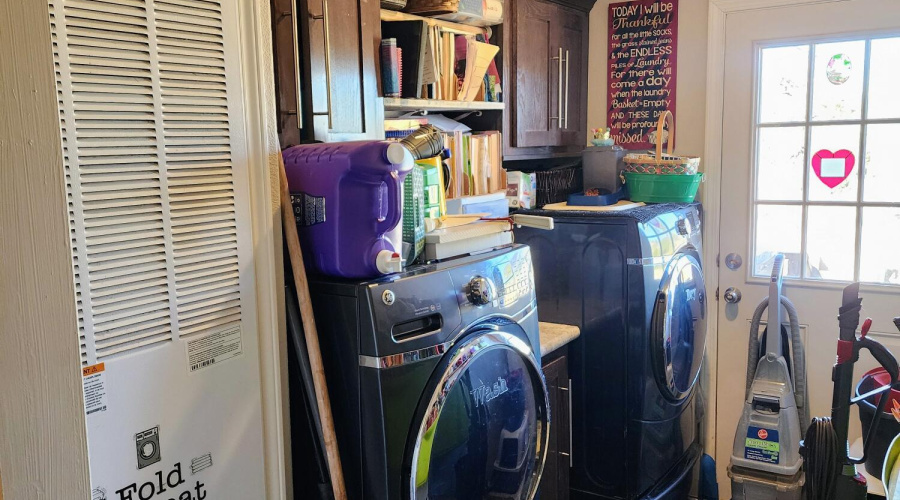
(559, 110)
(324, 19)
(571, 463)
(295, 27)
(559, 87)
(566, 115)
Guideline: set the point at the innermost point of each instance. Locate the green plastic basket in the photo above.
(654, 188)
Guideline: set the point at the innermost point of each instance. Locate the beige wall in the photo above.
(42, 437)
(690, 98)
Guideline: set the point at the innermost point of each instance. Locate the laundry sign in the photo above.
(642, 53)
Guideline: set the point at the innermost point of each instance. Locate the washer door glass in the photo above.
(483, 432)
(678, 327)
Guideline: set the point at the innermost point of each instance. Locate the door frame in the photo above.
(719, 10)
(260, 122)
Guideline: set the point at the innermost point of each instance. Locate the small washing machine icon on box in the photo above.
(147, 444)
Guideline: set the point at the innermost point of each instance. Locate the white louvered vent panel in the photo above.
(110, 142)
(198, 163)
(147, 151)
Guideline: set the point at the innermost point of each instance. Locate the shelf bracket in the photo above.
(466, 115)
(413, 113)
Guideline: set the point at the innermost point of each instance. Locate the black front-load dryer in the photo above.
(435, 381)
(632, 281)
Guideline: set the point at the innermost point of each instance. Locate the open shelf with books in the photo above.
(429, 64)
(461, 29)
(406, 105)
(448, 77)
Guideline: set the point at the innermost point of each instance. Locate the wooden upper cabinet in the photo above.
(338, 55)
(342, 65)
(536, 98)
(573, 40)
(545, 61)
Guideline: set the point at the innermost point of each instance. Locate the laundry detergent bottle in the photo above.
(347, 199)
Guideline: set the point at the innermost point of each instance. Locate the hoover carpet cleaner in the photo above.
(765, 461)
(830, 472)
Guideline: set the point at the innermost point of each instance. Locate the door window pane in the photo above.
(827, 166)
(882, 166)
(826, 170)
(830, 243)
(884, 78)
(783, 81)
(880, 251)
(780, 163)
(778, 229)
(838, 78)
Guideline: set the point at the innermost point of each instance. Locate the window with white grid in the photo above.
(826, 184)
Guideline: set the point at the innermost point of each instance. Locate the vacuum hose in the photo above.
(798, 358)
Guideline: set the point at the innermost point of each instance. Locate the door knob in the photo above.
(732, 295)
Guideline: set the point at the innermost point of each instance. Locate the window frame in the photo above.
(807, 123)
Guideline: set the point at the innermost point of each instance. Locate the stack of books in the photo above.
(476, 163)
(475, 237)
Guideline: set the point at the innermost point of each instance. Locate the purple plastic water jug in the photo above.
(347, 198)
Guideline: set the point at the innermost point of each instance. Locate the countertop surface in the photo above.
(556, 335)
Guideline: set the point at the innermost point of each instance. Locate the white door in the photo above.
(810, 168)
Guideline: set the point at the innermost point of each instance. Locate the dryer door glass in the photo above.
(483, 431)
(678, 327)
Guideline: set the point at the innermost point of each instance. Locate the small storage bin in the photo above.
(602, 166)
(888, 427)
(556, 184)
(653, 188)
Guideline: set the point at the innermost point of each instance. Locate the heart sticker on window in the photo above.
(833, 168)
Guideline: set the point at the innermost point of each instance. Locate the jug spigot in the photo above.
(388, 262)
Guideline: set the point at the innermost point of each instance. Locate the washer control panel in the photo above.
(517, 280)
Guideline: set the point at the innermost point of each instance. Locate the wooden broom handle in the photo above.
(312, 337)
